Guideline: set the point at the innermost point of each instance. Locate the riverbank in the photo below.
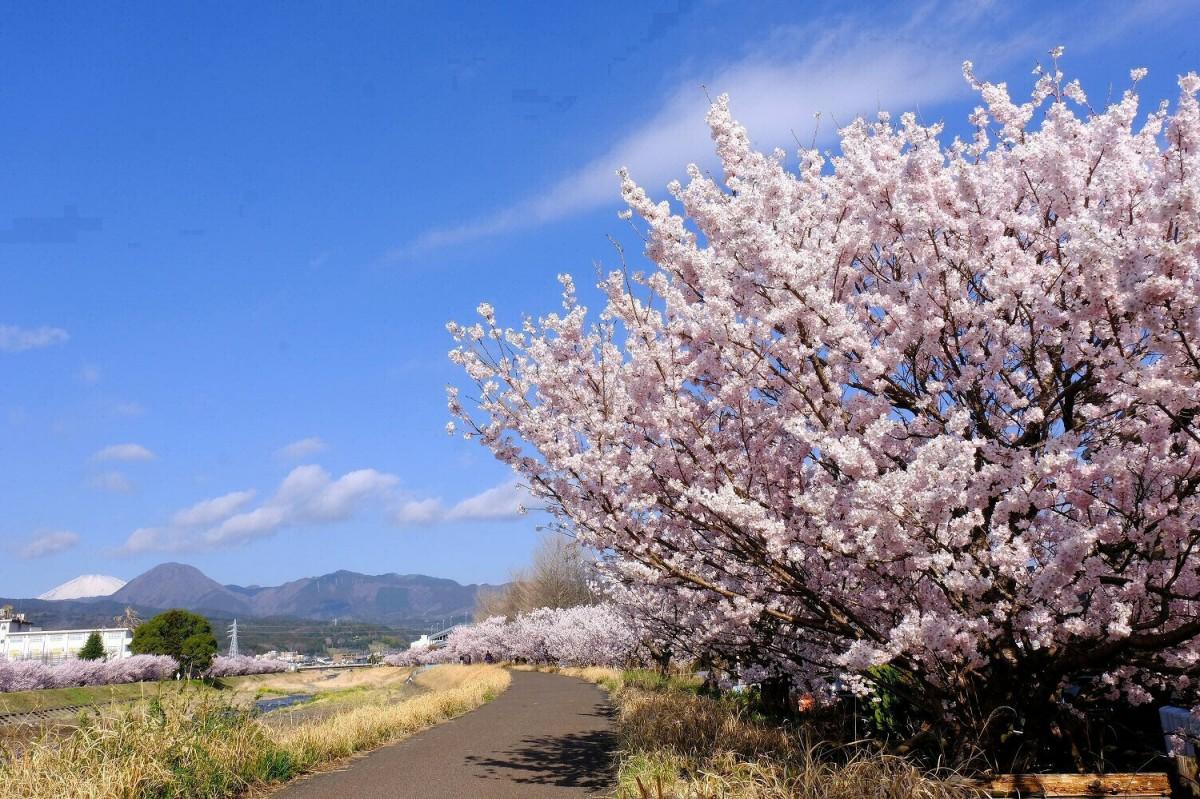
(201, 744)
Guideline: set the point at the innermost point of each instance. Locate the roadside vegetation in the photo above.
(200, 744)
(677, 743)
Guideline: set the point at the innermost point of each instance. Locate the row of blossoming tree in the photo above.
(586, 635)
(912, 409)
(30, 675)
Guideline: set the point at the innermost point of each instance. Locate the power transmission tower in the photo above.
(233, 642)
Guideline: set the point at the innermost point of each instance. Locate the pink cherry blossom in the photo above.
(587, 635)
(28, 675)
(914, 403)
(226, 666)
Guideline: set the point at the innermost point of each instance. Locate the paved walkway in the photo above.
(546, 737)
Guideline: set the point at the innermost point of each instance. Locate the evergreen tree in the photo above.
(93, 649)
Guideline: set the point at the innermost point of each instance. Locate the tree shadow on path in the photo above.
(573, 760)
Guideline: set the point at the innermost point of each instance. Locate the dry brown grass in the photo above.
(202, 747)
(678, 745)
(441, 678)
(454, 690)
(318, 681)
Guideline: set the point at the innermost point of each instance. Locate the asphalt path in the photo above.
(546, 737)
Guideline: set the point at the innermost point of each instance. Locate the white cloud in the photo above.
(304, 448)
(839, 73)
(505, 501)
(49, 543)
(257, 523)
(311, 495)
(124, 452)
(113, 482)
(144, 539)
(308, 496)
(211, 511)
(20, 339)
(419, 512)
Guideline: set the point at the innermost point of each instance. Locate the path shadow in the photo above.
(573, 760)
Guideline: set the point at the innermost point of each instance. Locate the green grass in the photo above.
(650, 680)
(245, 688)
(53, 698)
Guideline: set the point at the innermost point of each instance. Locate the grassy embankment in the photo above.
(676, 743)
(324, 685)
(199, 744)
(53, 698)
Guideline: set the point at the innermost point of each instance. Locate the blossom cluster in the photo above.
(927, 405)
(586, 635)
(30, 675)
(226, 666)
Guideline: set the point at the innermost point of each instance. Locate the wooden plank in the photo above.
(1077, 785)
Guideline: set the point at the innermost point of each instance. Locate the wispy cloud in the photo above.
(124, 452)
(49, 543)
(129, 408)
(212, 511)
(308, 496)
(112, 482)
(90, 374)
(20, 339)
(304, 448)
(311, 497)
(507, 501)
(776, 90)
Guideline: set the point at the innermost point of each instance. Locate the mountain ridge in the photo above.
(390, 598)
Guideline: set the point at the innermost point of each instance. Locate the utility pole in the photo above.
(233, 642)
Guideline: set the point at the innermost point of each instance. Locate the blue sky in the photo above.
(230, 238)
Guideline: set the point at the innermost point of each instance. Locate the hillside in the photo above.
(177, 585)
(394, 600)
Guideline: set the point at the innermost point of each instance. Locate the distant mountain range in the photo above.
(397, 600)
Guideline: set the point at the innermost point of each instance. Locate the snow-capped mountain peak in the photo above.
(85, 585)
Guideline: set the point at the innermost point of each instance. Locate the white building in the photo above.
(434, 640)
(20, 640)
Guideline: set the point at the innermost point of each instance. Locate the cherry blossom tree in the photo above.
(918, 405)
(240, 665)
(585, 635)
(490, 637)
(28, 675)
(591, 635)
